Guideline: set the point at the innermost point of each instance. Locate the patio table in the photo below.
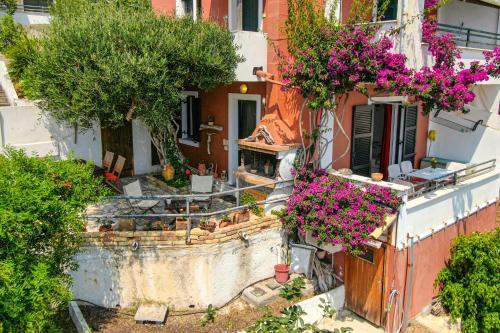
(430, 173)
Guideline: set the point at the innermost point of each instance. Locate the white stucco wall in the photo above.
(435, 210)
(28, 18)
(179, 276)
(252, 46)
(26, 127)
(475, 146)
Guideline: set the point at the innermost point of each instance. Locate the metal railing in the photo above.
(469, 37)
(30, 8)
(190, 198)
(453, 178)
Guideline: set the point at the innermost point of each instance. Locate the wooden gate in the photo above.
(119, 141)
(364, 276)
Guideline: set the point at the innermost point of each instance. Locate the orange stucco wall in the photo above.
(216, 103)
(430, 256)
(163, 6)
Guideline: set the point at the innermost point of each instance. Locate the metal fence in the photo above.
(39, 8)
(469, 37)
(453, 178)
(190, 198)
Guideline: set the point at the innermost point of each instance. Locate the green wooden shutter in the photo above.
(362, 136)
(250, 15)
(410, 133)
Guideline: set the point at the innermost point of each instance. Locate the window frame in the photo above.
(186, 138)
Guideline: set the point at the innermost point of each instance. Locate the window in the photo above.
(245, 15)
(387, 10)
(188, 8)
(36, 5)
(190, 119)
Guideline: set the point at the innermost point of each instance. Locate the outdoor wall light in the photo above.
(432, 135)
(243, 88)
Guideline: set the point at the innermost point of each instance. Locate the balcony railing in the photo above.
(468, 37)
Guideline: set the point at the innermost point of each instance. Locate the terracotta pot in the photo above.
(168, 172)
(202, 169)
(281, 273)
(240, 217)
(224, 224)
(105, 228)
(181, 224)
(209, 227)
(321, 254)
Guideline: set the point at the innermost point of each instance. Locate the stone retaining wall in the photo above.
(161, 268)
(178, 238)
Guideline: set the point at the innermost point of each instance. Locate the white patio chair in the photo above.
(394, 172)
(134, 190)
(202, 185)
(406, 168)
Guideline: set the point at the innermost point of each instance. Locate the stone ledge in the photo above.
(177, 238)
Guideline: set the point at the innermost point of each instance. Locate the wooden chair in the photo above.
(108, 161)
(117, 170)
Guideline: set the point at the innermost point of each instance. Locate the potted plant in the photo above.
(181, 222)
(434, 162)
(206, 223)
(250, 201)
(225, 221)
(107, 225)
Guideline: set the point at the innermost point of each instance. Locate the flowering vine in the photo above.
(337, 211)
(358, 58)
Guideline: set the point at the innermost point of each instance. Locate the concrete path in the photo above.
(346, 318)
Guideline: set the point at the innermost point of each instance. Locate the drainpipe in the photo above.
(410, 286)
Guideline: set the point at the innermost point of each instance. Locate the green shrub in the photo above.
(470, 284)
(10, 4)
(21, 54)
(293, 290)
(10, 32)
(41, 201)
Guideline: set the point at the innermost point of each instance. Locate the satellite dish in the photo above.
(286, 166)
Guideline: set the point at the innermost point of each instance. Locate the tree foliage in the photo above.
(111, 61)
(470, 284)
(41, 201)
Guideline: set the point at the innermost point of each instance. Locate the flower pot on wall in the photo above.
(168, 172)
(181, 223)
(281, 273)
(240, 217)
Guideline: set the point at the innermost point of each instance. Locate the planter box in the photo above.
(324, 246)
(181, 224)
(240, 217)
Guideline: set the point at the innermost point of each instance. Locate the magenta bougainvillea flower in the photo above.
(337, 211)
(362, 57)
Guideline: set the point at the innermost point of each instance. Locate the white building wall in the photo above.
(179, 276)
(29, 18)
(26, 127)
(470, 15)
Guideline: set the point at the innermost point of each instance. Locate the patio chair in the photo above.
(394, 172)
(134, 190)
(406, 168)
(202, 185)
(117, 170)
(108, 161)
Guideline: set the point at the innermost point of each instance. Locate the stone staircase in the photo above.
(3, 98)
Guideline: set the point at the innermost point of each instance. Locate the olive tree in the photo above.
(112, 61)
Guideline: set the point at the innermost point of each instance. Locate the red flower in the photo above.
(188, 172)
(67, 184)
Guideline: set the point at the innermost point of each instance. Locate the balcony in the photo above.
(30, 12)
(471, 38)
(253, 46)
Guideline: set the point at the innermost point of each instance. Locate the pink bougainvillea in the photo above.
(360, 58)
(337, 211)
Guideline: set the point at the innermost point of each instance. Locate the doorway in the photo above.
(364, 277)
(119, 141)
(382, 134)
(243, 116)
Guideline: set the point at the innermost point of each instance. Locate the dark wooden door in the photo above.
(119, 141)
(364, 284)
